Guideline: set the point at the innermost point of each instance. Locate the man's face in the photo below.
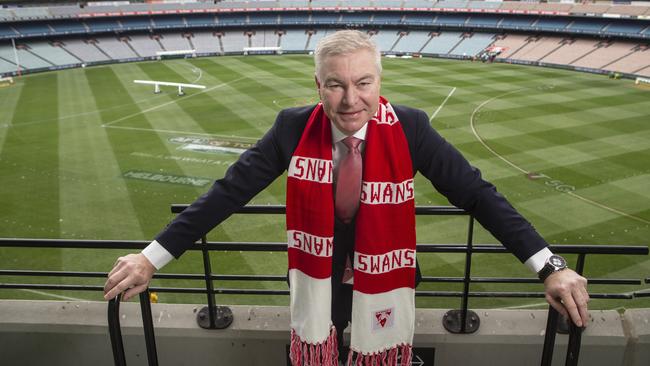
(348, 86)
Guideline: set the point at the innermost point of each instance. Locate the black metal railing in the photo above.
(212, 316)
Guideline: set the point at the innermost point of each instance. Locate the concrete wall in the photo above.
(75, 333)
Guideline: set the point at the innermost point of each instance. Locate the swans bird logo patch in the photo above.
(383, 319)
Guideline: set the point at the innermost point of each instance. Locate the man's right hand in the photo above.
(132, 274)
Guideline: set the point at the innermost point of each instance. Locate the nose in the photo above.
(351, 96)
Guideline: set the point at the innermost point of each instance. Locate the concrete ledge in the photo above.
(75, 333)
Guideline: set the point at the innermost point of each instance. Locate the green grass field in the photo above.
(570, 150)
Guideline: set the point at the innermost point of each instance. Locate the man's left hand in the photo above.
(566, 291)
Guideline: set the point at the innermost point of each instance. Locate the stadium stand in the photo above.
(201, 20)
(571, 23)
(85, 50)
(144, 46)
(510, 44)
(443, 43)
(116, 48)
(413, 42)
(206, 42)
(6, 66)
(234, 41)
(32, 29)
(174, 42)
(605, 55)
(53, 54)
(168, 22)
(137, 23)
(6, 30)
(294, 40)
(574, 50)
(387, 18)
(539, 48)
(264, 38)
(26, 59)
(385, 39)
(473, 44)
(102, 25)
(632, 63)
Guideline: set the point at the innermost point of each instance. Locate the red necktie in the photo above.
(348, 183)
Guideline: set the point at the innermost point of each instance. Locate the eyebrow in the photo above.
(337, 80)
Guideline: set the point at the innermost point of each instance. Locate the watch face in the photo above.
(557, 261)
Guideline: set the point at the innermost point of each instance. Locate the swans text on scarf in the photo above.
(377, 193)
(315, 170)
(383, 263)
(311, 244)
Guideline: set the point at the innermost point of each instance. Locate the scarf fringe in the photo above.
(387, 357)
(319, 354)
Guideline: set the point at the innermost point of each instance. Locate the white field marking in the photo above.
(443, 103)
(252, 139)
(524, 171)
(170, 102)
(53, 295)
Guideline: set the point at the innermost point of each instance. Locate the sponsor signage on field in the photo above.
(167, 178)
(208, 145)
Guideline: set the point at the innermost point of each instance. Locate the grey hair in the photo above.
(343, 43)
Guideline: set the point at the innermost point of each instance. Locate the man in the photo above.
(350, 213)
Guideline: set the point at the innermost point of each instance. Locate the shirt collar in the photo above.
(337, 135)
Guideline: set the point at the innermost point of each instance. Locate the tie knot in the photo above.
(352, 142)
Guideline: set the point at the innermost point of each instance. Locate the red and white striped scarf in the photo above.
(383, 305)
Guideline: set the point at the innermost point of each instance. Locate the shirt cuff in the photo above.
(157, 254)
(537, 261)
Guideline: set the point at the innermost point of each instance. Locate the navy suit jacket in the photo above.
(432, 156)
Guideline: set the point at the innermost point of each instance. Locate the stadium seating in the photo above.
(386, 18)
(54, 55)
(455, 20)
(313, 40)
(555, 24)
(144, 45)
(6, 30)
(588, 25)
(519, 22)
(264, 38)
(574, 50)
(168, 22)
(136, 23)
(385, 39)
(632, 63)
(419, 19)
(484, 20)
(206, 42)
(6, 66)
(294, 18)
(413, 42)
(32, 29)
(68, 27)
(443, 43)
(471, 46)
(200, 20)
(174, 42)
(294, 40)
(234, 41)
(86, 52)
(115, 48)
(605, 55)
(511, 44)
(102, 25)
(26, 59)
(265, 19)
(536, 50)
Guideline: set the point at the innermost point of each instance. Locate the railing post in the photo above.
(464, 320)
(115, 330)
(212, 316)
(549, 336)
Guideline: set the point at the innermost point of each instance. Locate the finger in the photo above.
(119, 264)
(571, 307)
(134, 291)
(582, 308)
(557, 305)
(114, 279)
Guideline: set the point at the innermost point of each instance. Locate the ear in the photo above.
(317, 85)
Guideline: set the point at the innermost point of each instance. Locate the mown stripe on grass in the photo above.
(86, 156)
(8, 99)
(151, 214)
(29, 163)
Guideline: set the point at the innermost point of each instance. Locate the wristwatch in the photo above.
(553, 264)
